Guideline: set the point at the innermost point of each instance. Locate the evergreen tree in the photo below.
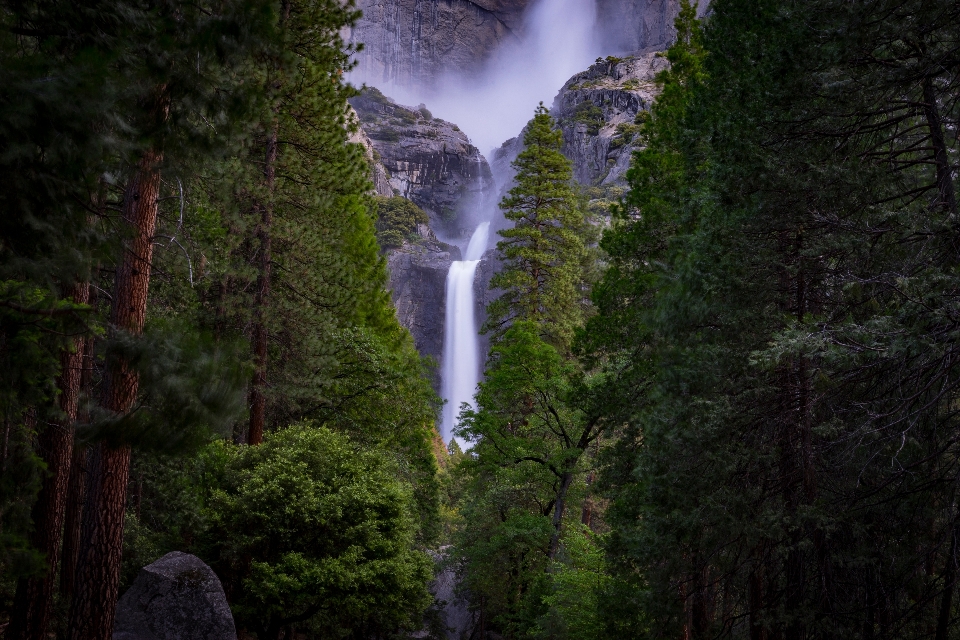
(530, 435)
(541, 278)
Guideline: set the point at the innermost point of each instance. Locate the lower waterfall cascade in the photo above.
(461, 346)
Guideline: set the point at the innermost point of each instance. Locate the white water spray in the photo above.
(557, 41)
(461, 349)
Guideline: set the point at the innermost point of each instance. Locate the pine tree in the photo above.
(531, 436)
(541, 278)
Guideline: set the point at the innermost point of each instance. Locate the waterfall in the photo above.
(461, 348)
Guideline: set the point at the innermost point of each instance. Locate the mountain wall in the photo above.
(412, 43)
(432, 163)
(427, 160)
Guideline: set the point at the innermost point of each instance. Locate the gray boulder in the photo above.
(178, 597)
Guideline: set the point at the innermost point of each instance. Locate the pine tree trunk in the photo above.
(34, 597)
(949, 582)
(947, 196)
(258, 399)
(755, 595)
(76, 489)
(98, 570)
(76, 492)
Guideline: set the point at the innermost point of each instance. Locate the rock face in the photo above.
(378, 173)
(411, 43)
(597, 110)
(428, 160)
(178, 597)
(418, 277)
(638, 25)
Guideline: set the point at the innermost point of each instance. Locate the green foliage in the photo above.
(397, 220)
(577, 582)
(542, 255)
(193, 391)
(74, 122)
(764, 335)
(628, 130)
(314, 530)
(591, 115)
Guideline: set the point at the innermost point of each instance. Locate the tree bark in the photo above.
(756, 601)
(558, 509)
(947, 196)
(76, 489)
(949, 581)
(76, 492)
(34, 596)
(98, 570)
(258, 399)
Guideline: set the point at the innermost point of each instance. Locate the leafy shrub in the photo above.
(313, 530)
(387, 135)
(397, 220)
(628, 131)
(591, 115)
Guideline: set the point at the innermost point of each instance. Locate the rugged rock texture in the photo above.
(411, 43)
(418, 277)
(483, 295)
(597, 110)
(638, 25)
(177, 597)
(378, 173)
(428, 160)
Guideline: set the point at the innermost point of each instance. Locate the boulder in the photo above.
(178, 597)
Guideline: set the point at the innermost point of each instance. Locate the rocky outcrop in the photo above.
(411, 43)
(597, 110)
(378, 173)
(428, 160)
(178, 597)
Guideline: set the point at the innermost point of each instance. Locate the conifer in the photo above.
(541, 279)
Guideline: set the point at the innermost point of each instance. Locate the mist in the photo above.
(559, 40)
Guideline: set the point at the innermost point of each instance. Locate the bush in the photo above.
(397, 220)
(312, 530)
(386, 134)
(591, 115)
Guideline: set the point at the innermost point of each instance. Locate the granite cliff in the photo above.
(427, 160)
(413, 43)
(598, 111)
